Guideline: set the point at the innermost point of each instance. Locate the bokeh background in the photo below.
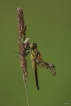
(49, 25)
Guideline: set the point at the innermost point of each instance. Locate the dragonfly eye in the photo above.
(33, 45)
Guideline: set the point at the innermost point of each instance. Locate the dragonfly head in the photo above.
(33, 45)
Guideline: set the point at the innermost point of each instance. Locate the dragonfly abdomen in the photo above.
(36, 80)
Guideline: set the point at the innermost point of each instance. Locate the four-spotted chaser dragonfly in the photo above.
(36, 59)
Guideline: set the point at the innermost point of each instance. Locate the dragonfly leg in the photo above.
(27, 53)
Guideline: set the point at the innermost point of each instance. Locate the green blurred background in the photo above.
(49, 25)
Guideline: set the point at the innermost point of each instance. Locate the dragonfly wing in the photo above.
(34, 66)
(40, 63)
(51, 68)
(39, 60)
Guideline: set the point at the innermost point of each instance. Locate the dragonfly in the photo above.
(37, 60)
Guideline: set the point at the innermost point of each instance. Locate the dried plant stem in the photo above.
(21, 38)
(26, 94)
(22, 50)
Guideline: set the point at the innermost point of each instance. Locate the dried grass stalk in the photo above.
(21, 38)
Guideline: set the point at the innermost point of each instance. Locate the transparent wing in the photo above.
(40, 61)
(43, 64)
